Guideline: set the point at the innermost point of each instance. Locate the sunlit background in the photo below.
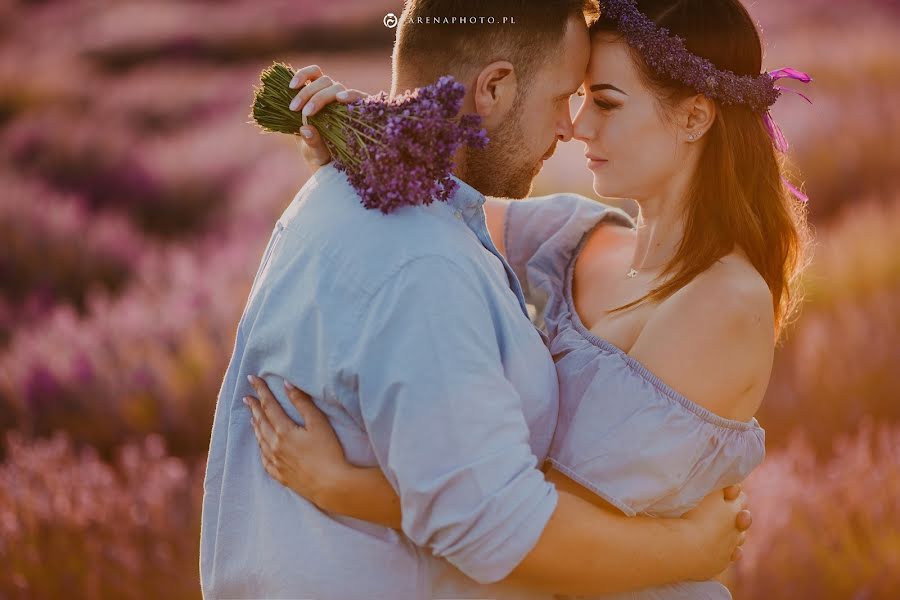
(135, 202)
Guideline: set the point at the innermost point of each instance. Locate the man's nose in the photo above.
(565, 130)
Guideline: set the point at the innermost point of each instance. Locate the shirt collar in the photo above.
(466, 199)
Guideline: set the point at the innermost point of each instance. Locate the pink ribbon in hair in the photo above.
(772, 127)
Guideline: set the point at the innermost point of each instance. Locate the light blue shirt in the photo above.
(409, 331)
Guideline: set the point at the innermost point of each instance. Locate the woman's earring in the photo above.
(692, 137)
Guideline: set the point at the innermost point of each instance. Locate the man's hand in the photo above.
(720, 523)
(317, 90)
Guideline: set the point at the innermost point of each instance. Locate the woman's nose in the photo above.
(581, 131)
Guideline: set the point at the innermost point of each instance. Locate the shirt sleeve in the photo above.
(540, 232)
(446, 426)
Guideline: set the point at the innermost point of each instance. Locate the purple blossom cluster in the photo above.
(405, 145)
(825, 528)
(56, 250)
(75, 525)
(667, 54)
(147, 360)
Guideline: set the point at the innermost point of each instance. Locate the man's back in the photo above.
(404, 330)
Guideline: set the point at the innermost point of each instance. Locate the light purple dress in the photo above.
(622, 432)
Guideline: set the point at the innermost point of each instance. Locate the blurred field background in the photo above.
(135, 202)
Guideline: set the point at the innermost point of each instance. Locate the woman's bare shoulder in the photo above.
(606, 236)
(713, 340)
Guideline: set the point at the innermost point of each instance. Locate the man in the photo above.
(410, 332)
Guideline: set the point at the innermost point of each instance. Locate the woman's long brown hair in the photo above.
(737, 195)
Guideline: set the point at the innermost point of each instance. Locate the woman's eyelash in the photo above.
(604, 105)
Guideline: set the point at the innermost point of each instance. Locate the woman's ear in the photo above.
(495, 91)
(699, 114)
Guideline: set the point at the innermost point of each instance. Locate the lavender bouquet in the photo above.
(395, 151)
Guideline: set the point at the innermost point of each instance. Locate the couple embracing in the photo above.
(392, 425)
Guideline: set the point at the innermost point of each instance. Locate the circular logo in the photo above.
(390, 20)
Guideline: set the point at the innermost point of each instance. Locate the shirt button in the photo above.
(458, 214)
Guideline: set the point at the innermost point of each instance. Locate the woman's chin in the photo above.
(603, 188)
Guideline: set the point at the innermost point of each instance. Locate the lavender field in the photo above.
(135, 202)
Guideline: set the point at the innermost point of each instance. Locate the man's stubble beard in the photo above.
(496, 170)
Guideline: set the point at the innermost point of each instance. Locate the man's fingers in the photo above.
(305, 74)
(744, 520)
(736, 554)
(732, 492)
(279, 419)
(311, 414)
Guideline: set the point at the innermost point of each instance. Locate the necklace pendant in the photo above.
(632, 274)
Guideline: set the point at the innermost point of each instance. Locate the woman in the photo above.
(663, 331)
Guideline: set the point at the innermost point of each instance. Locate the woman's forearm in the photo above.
(363, 493)
(587, 550)
(584, 549)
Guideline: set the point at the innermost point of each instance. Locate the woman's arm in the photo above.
(310, 460)
(568, 486)
(363, 493)
(587, 550)
(584, 549)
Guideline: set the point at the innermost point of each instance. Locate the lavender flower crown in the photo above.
(666, 54)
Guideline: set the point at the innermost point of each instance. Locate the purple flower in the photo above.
(667, 54)
(399, 151)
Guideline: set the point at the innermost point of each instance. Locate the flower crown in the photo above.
(667, 54)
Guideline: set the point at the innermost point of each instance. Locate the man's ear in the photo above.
(495, 91)
(699, 115)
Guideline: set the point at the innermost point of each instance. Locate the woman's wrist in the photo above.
(334, 485)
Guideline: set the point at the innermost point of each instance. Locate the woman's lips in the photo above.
(594, 161)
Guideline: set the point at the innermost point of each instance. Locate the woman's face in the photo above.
(623, 126)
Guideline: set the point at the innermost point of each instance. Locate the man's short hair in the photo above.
(456, 37)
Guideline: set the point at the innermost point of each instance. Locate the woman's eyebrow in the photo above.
(605, 86)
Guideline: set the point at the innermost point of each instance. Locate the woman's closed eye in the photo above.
(604, 105)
